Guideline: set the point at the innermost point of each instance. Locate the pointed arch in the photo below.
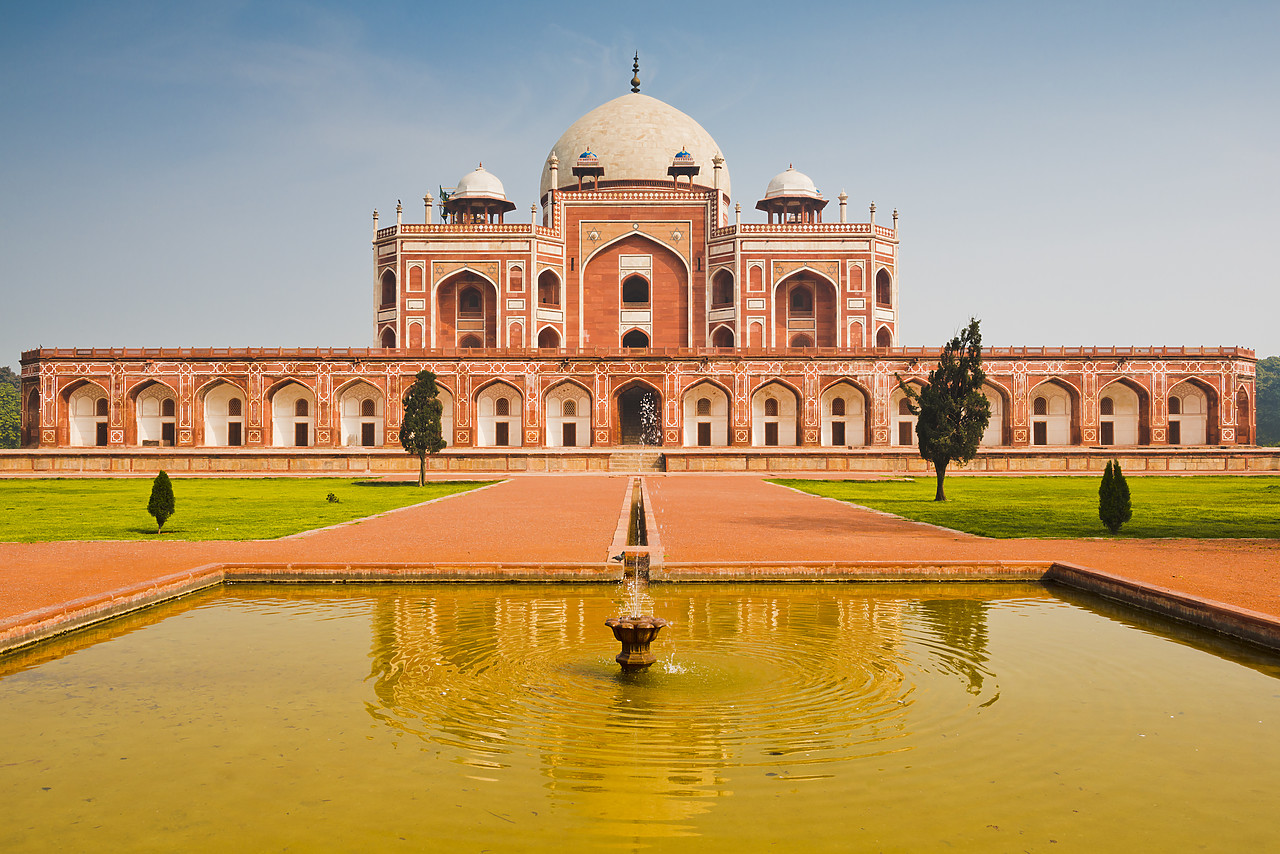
(901, 419)
(387, 289)
(1000, 426)
(549, 338)
(567, 405)
(1057, 421)
(499, 409)
(778, 426)
(85, 422)
(846, 414)
(642, 235)
(884, 337)
(1244, 416)
(722, 336)
(722, 288)
(631, 412)
(1131, 422)
(707, 408)
(636, 339)
(549, 289)
(291, 426)
(148, 421)
(805, 304)
(223, 405)
(884, 288)
(387, 340)
(477, 318)
(31, 417)
(1198, 420)
(361, 413)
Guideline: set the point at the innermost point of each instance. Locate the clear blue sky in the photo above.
(1071, 173)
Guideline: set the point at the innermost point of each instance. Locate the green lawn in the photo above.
(206, 508)
(1201, 506)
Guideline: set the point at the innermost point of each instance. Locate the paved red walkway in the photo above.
(557, 518)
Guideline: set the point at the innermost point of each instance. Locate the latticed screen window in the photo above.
(1040, 406)
(300, 408)
(771, 407)
(366, 408)
(570, 408)
(234, 407)
(704, 406)
(837, 406)
(1108, 406)
(502, 406)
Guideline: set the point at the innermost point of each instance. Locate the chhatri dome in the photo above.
(634, 137)
(791, 183)
(480, 183)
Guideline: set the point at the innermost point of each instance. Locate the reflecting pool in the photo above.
(1003, 717)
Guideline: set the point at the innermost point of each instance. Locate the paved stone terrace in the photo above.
(571, 519)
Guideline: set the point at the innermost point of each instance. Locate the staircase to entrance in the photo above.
(625, 461)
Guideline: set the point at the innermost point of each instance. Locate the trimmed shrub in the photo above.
(161, 504)
(1113, 498)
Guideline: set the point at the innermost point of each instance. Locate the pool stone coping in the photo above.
(34, 626)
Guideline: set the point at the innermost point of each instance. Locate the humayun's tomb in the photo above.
(631, 307)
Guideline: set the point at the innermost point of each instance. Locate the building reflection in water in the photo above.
(750, 678)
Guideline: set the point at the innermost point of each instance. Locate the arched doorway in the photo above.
(1190, 405)
(706, 416)
(88, 411)
(903, 432)
(568, 409)
(844, 416)
(774, 411)
(639, 415)
(1053, 414)
(499, 417)
(224, 408)
(995, 434)
(155, 407)
(361, 415)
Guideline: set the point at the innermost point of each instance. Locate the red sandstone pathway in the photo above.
(523, 520)
(705, 518)
(544, 519)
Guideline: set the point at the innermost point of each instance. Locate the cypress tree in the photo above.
(161, 504)
(420, 428)
(952, 412)
(1113, 498)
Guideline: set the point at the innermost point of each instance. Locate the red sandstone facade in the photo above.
(630, 292)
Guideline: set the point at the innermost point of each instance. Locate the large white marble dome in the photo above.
(635, 137)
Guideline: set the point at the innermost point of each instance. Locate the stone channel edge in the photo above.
(32, 627)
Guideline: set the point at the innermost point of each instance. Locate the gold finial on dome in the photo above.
(635, 71)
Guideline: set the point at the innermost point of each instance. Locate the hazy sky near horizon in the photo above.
(204, 175)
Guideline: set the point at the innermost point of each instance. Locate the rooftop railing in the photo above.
(587, 353)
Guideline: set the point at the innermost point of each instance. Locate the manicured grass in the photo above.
(206, 508)
(1201, 506)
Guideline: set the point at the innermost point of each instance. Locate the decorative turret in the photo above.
(792, 197)
(587, 165)
(479, 197)
(683, 164)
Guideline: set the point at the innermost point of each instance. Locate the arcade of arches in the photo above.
(579, 403)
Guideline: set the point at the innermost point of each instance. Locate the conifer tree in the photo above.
(1113, 498)
(420, 429)
(161, 504)
(951, 411)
